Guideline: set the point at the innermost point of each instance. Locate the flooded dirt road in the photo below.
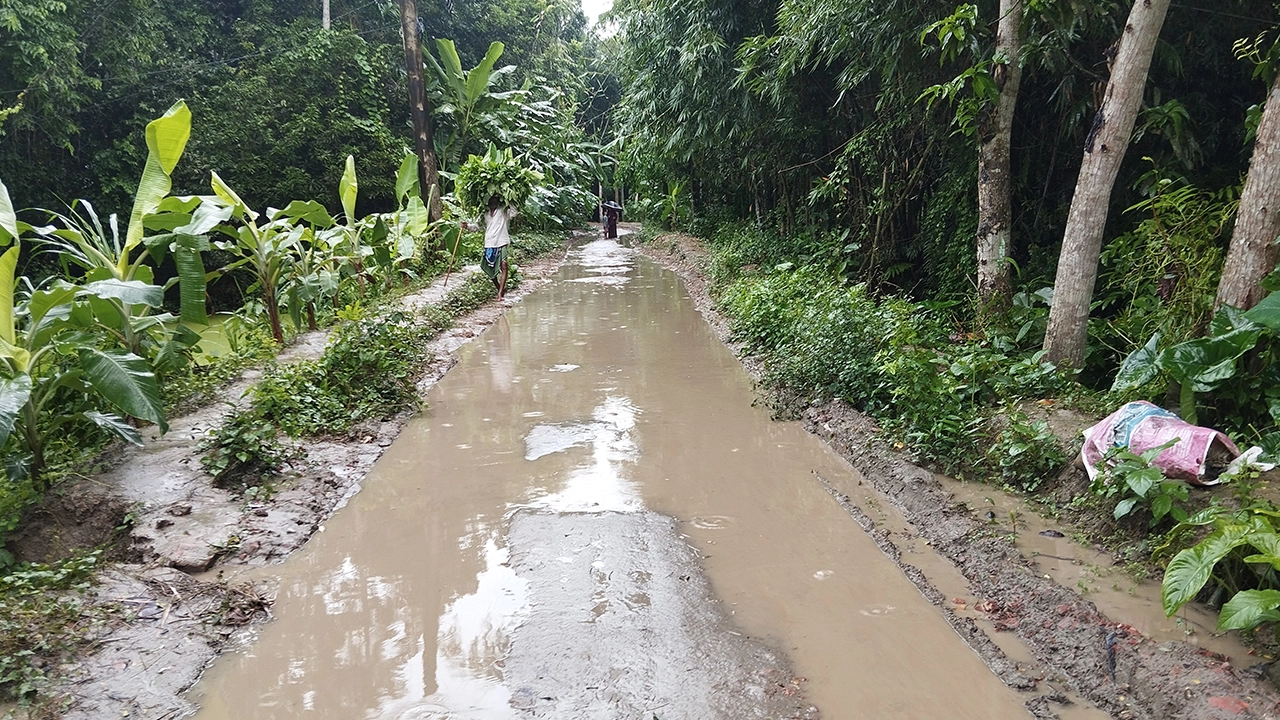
(592, 521)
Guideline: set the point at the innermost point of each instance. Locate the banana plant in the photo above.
(466, 98)
(62, 364)
(315, 274)
(100, 251)
(268, 250)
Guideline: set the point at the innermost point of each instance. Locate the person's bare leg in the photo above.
(502, 284)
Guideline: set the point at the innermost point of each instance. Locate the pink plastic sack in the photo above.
(1141, 426)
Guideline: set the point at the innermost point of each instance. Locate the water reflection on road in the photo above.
(514, 554)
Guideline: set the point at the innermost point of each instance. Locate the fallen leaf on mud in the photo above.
(1230, 704)
(957, 601)
(985, 606)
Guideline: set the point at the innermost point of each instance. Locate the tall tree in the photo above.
(1067, 332)
(428, 171)
(995, 212)
(1253, 250)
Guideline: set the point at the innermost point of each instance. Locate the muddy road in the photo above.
(592, 520)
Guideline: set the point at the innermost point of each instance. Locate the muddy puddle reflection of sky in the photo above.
(603, 392)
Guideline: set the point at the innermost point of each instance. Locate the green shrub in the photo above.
(243, 452)
(367, 371)
(43, 618)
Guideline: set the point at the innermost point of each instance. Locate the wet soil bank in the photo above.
(1076, 649)
(173, 613)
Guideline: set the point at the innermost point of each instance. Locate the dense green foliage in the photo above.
(900, 361)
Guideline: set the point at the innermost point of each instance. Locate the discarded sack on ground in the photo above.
(1199, 456)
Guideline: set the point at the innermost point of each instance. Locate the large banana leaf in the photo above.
(347, 189)
(8, 218)
(115, 425)
(229, 196)
(14, 393)
(407, 183)
(478, 77)
(307, 210)
(191, 283)
(166, 139)
(125, 381)
(128, 292)
(8, 264)
(452, 71)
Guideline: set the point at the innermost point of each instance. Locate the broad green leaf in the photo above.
(125, 381)
(206, 217)
(452, 67)
(1207, 361)
(128, 292)
(191, 284)
(1139, 368)
(229, 196)
(115, 425)
(166, 139)
(9, 231)
(1190, 568)
(1230, 318)
(1124, 507)
(1142, 481)
(1184, 577)
(309, 211)
(347, 189)
(478, 77)
(417, 220)
(8, 263)
(1266, 312)
(43, 302)
(1248, 609)
(407, 183)
(14, 393)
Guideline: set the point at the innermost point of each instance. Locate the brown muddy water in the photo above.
(592, 521)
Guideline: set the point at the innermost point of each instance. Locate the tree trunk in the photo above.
(324, 14)
(1104, 148)
(420, 111)
(1252, 254)
(995, 214)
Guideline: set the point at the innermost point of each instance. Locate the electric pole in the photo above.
(420, 111)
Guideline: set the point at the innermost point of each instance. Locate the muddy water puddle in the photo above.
(592, 521)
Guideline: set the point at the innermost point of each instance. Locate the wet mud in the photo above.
(592, 520)
(1014, 592)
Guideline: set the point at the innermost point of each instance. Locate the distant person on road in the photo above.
(612, 211)
(497, 239)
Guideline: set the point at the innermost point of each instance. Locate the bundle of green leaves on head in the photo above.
(498, 173)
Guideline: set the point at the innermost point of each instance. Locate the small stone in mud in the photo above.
(163, 523)
(1052, 533)
(180, 509)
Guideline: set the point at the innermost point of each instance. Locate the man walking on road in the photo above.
(497, 239)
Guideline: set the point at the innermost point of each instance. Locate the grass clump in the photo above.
(44, 617)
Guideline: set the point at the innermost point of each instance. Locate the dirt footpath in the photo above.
(174, 616)
(1076, 647)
